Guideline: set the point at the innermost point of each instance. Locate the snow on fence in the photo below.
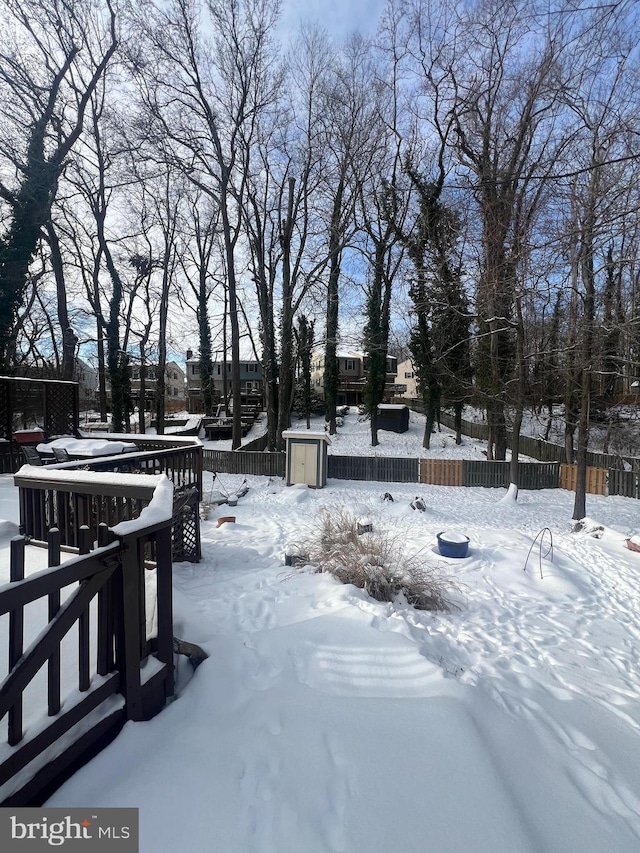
(118, 598)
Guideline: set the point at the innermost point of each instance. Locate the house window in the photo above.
(135, 374)
(408, 374)
(251, 368)
(350, 364)
(151, 374)
(218, 368)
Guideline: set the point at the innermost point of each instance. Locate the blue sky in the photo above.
(339, 17)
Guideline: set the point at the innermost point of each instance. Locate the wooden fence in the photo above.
(538, 448)
(441, 472)
(385, 469)
(438, 472)
(624, 483)
(244, 462)
(115, 680)
(597, 479)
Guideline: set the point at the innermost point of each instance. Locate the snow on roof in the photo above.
(306, 433)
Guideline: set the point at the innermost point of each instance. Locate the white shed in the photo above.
(306, 457)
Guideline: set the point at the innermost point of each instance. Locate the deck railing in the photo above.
(62, 496)
(122, 658)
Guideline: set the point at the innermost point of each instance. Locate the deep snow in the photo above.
(326, 721)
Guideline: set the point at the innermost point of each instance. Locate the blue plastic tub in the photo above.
(453, 544)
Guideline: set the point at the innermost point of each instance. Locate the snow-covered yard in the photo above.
(353, 438)
(326, 721)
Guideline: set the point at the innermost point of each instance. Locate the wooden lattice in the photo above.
(60, 408)
(185, 527)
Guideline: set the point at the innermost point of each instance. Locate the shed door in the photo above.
(304, 464)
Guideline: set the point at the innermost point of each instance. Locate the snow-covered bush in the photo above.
(377, 562)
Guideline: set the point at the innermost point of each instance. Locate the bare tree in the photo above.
(49, 70)
(381, 213)
(203, 96)
(199, 230)
(604, 106)
(349, 137)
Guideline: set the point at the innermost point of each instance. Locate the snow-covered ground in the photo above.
(353, 438)
(326, 721)
(618, 431)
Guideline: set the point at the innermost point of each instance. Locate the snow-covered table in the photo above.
(86, 448)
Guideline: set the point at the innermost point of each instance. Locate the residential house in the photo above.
(352, 371)
(174, 385)
(407, 378)
(87, 379)
(251, 381)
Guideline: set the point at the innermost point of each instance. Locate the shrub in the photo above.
(378, 563)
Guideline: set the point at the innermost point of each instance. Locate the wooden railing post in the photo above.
(164, 581)
(105, 659)
(53, 540)
(129, 651)
(84, 677)
(16, 636)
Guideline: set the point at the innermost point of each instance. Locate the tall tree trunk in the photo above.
(331, 346)
(573, 374)
(236, 440)
(142, 426)
(69, 340)
(285, 392)
(457, 414)
(377, 336)
(588, 279)
(519, 397)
